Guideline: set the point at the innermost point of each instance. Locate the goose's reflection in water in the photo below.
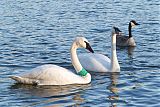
(113, 88)
(129, 50)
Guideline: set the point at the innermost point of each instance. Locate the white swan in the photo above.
(123, 40)
(101, 63)
(56, 75)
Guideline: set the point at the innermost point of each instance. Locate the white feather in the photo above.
(95, 62)
(55, 75)
(101, 63)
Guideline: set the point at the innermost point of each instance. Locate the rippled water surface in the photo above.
(37, 32)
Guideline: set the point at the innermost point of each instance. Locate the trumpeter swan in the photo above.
(99, 62)
(55, 75)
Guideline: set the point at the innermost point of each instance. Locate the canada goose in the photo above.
(123, 40)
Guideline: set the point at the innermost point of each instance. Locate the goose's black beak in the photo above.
(135, 23)
(88, 47)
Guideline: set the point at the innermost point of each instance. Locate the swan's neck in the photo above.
(114, 61)
(78, 67)
(75, 61)
(129, 30)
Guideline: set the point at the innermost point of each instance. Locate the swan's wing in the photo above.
(95, 62)
(44, 72)
(49, 75)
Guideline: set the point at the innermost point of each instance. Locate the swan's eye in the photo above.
(88, 47)
(86, 43)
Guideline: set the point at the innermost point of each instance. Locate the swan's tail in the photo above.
(24, 80)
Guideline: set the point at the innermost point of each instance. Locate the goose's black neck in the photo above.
(129, 29)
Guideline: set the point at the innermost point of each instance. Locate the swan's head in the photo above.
(115, 30)
(83, 42)
(133, 23)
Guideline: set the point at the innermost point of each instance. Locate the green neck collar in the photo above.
(83, 72)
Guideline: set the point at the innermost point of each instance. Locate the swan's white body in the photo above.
(51, 75)
(95, 62)
(55, 75)
(100, 63)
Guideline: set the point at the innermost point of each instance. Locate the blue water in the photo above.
(37, 32)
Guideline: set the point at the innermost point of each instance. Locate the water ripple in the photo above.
(38, 32)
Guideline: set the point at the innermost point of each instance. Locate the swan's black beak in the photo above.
(137, 24)
(88, 47)
(117, 31)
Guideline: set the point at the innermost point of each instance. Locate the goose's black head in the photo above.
(133, 23)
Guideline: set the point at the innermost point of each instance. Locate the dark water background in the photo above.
(37, 32)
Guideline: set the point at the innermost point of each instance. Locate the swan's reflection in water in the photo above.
(113, 89)
(51, 95)
(68, 95)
